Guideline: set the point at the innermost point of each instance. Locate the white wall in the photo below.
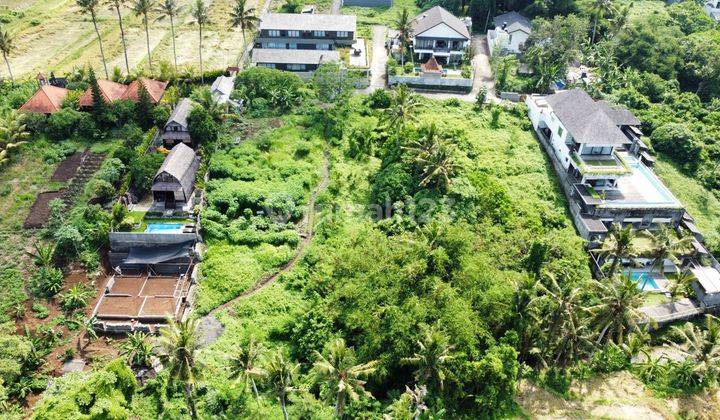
(518, 38)
(441, 31)
(538, 115)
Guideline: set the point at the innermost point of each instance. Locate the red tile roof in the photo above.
(431, 66)
(46, 100)
(154, 88)
(112, 91)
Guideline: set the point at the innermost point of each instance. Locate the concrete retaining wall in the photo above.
(443, 84)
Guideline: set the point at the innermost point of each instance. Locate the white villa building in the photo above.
(598, 154)
(712, 8)
(440, 34)
(510, 33)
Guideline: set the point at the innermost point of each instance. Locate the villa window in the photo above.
(319, 34)
(296, 66)
(274, 33)
(560, 131)
(276, 45)
(268, 65)
(292, 46)
(294, 34)
(323, 47)
(342, 34)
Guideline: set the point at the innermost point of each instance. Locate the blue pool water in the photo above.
(644, 278)
(164, 227)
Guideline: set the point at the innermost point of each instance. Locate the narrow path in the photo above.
(378, 63)
(336, 5)
(306, 227)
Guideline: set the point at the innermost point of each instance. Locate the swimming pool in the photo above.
(642, 187)
(643, 278)
(164, 228)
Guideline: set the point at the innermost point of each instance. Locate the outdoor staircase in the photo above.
(90, 164)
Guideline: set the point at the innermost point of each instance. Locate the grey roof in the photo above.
(307, 22)
(222, 88)
(278, 56)
(435, 16)
(514, 21)
(180, 113)
(586, 119)
(620, 115)
(182, 164)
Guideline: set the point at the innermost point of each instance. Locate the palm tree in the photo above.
(565, 330)
(434, 351)
(525, 321)
(667, 246)
(244, 17)
(170, 9)
(621, 17)
(403, 107)
(403, 24)
(90, 7)
(7, 46)
(137, 349)
(619, 246)
(43, 255)
(243, 365)
(281, 375)
(701, 346)
(436, 157)
(13, 133)
(178, 346)
(115, 5)
(144, 7)
(201, 13)
(600, 9)
(341, 373)
(618, 311)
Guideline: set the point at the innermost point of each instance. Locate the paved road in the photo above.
(482, 77)
(335, 9)
(378, 64)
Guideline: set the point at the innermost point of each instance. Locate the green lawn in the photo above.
(698, 201)
(369, 16)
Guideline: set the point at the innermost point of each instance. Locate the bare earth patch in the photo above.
(617, 396)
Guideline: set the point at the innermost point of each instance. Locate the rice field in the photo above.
(53, 35)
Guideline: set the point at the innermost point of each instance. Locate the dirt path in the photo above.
(378, 64)
(306, 227)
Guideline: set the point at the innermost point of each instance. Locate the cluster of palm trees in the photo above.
(13, 134)
(241, 16)
(255, 366)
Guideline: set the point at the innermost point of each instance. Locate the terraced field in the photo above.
(52, 35)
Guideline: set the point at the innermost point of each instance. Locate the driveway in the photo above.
(378, 63)
(482, 75)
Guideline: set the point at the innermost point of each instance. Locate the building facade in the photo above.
(599, 156)
(305, 31)
(438, 33)
(510, 33)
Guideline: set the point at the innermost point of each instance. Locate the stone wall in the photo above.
(444, 84)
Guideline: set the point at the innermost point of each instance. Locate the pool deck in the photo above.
(668, 312)
(641, 188)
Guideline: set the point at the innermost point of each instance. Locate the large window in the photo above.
(273, 33)
(292, 46)
(276, 45)
(323, 46)
(268, 65)
(319, 34)
(297, 67)
(342, 34)
(294, 34)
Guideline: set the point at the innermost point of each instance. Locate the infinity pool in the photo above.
(642, 187)
(164, 228)
(643, 278)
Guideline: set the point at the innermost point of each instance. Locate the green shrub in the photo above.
(466, 72)
(302, 150)
(46, 281)
(556, 379)
(143, 170)
(610, 358)
(102, 190)
(41, 311)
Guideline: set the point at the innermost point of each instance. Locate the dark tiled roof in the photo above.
(513, 19)
(587, 120)
(435, 16)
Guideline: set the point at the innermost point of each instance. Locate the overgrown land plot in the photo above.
(382, 285)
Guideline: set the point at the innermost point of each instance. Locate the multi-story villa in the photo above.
(440, 34)
(290, 31)
(601, 161)
(510, 33)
